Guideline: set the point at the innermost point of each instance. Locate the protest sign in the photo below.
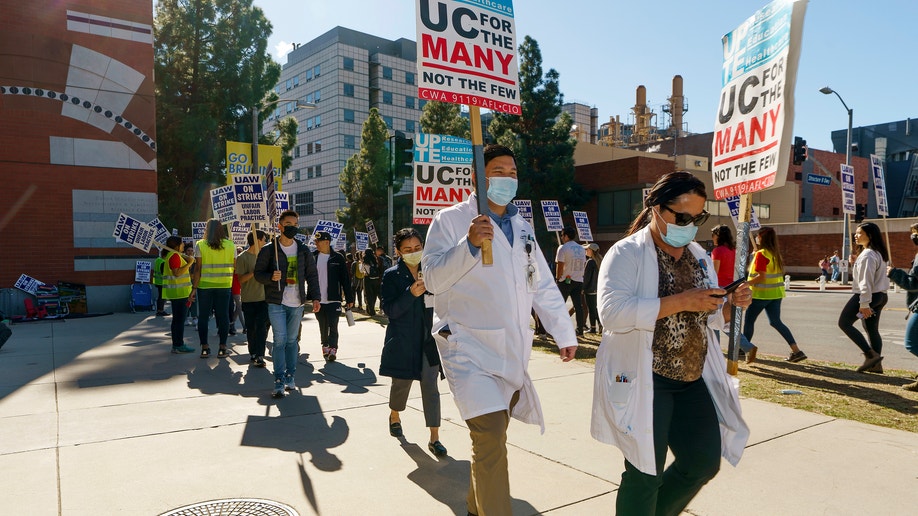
(443, 174)
(142, 270)
(28, 284)
(466, 53)
(197, 230)
(752, 130)
(582, 222)
(270, 198)
(134, 232)
(847, 177)
(188, 241)
(223, 200)
(340, 244)
(552, 212)
(161, 232)
(330, 227)
(879, 185)
(239, 233)
(250, 199)
(733, 204)
(239, 161)
(282, 199)
(525, 207)
(371, 229)
(362, 239)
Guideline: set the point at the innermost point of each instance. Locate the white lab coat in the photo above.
(487, 309)
(628, 303)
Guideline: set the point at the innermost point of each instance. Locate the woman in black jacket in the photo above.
(590, 275)
(409, 352)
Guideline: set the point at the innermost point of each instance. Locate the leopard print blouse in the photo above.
(680, 341)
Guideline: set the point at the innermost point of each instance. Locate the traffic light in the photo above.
(404, 155)
(860, 211)
(799, 150)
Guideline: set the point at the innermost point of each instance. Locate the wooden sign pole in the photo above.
(481, 188)
(742, 253)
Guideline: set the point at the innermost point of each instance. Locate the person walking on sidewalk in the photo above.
(661, 381)
(176, 289)
(766, 276)
(158, 272)
(481, 320)
(908, 280)
(334, 287)
(868, 288)
(254, 307)
(358, 273)
(570, 262)
(834, 262)
(372, 279)
(410, 352)
(590, 274)
(213, 281)
(288, 271)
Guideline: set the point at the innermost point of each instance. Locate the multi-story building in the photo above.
(586, 121)
(344, 73)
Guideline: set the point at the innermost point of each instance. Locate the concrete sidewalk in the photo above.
(97, 417)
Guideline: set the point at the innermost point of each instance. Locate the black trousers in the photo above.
(328, 316)
(160, 302)
(256, 326)
(848, 317)
(574, 290)
(179, 311)
(685, 421)
(594, 310)
(371, 285)
(213, 301)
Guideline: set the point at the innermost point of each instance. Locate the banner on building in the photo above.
(879, 185)
(443, 174)
(197, 230)
(28, 284)
(223, 200)
(142, 271)
(525, 207)
(733, 204)
(239, 160)
(847, 177)
(362, 240)
(754, 123)
(552, 212)
(466, 53)
(582, 223)
(250, 199)
(133, 232)
(371, 229)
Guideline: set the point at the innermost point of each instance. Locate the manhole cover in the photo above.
(234, 507)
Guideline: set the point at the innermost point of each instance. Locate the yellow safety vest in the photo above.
(773, 286)
(158, 272)
(175, 287)
(217, 266)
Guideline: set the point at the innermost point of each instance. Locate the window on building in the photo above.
(421, 103)
(350, 142)
(798, 176)
(302, 203)
(318, 95)
(318, 120)
(309, 172)
(387, 97)
(296, 81)
(618, 208)
(290, 107)
(409, 77)
(309, 74)
(348, 63)
(409, 102)
(386, 72)
(409, 126)
(348, 115)
(308, 148)
(388, 121)
(309, 98)
(318, 170)
(317, 71)
(318, 146)
(309, 122)
(296, 151)
(348, 90)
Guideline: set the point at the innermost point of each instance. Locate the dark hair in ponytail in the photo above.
(665, 191)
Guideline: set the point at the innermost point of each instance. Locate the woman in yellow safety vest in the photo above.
(213, 281)
(766, 276)
(177, 288)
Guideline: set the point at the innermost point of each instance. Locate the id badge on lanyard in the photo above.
(532, 272)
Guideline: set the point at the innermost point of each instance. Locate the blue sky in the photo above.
(604, 49)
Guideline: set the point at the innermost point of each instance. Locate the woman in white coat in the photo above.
(661, 380)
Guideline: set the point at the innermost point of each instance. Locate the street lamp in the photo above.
(255, 111)
(845, 230)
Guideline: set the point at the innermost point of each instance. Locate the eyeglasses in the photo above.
(684, 219)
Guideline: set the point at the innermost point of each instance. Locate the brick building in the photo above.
(77, 142)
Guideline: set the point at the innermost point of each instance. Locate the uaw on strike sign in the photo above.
(467, 53)
(752, 133)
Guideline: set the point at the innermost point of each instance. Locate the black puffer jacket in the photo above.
(306, 272)
(339, 279)
(408, 336)
(908, 281)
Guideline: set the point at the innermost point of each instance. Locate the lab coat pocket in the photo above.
(617, 395)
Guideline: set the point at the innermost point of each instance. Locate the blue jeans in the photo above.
(285, 323)
(911, 334)
(772, 309)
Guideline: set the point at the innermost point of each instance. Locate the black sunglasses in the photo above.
(684, 219)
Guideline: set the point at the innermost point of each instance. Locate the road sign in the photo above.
(816, 179)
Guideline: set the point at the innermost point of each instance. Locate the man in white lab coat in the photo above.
(482, 322)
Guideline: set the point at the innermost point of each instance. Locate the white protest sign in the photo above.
(847, 176)
(467, 53)
(733, 204)
(443, 174)
(582, 222)
(525, 207)
(752, 130)
(134, 232)
(142, 270)
(552, 212)
(282, 201)
(341, 244)
(879, 184)
(330, 227)
(197, 230)
(371, 229)
(363, 240)
(28, 284)
(223, 200)
(239, 233)
(161, 231)
(250, 199)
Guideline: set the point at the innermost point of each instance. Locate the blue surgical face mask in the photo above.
(679, 236)
(501, 189)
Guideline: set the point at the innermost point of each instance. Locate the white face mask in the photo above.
(412, 259)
